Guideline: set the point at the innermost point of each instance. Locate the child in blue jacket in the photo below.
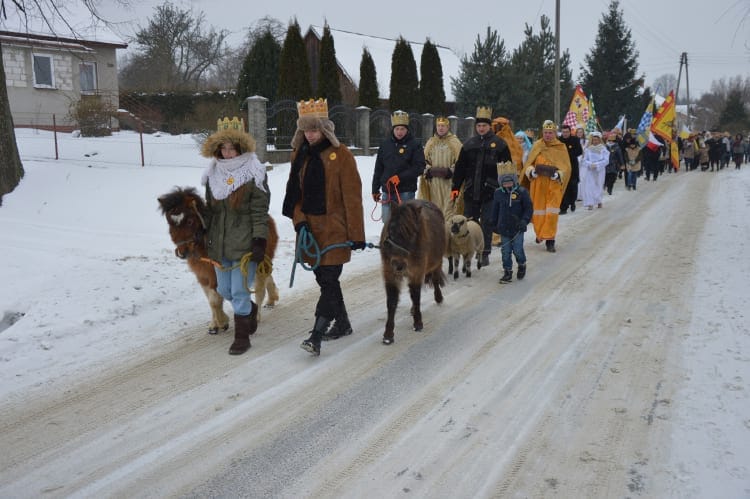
(511, 213)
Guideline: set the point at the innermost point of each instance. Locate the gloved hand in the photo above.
(302, 225)
(428, 173)
(258, 249)
(394, 180)
(449, 173)
(376, 197)
(521, 227)
(530, 172)
(454, 194)
(358, 245)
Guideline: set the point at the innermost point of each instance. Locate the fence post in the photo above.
(54, 134)
(428, 127)
(453, 120)
(362, 139)
(469, 122)
(257, 123)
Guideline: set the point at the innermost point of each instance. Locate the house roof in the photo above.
(62, 26)
(349, 47)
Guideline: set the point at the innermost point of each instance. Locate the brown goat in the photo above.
(411, 246)
(183, 209)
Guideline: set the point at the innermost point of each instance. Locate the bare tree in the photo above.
(174, 51)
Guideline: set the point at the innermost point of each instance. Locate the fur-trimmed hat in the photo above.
(313, 115)
(232, 131)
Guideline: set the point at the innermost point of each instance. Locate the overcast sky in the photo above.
(715, 35)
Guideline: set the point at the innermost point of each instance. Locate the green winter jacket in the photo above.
(235, 221)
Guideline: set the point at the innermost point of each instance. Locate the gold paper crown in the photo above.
(549, 125)
(484, 113)
(313, 108)
(505, 168)
(400, 118)
(227, 124)
(442, 120)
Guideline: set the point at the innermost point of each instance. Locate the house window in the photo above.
(44, 75)
(88, 77)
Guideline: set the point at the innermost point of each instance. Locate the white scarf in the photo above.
(224, 176)
(595, 148)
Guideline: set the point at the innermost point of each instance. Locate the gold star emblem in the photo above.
(230, 180)
(401, 151)
(332, 156)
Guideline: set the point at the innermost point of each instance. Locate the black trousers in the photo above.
(331, 299)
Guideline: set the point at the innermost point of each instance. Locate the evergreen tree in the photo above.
(481, 79)
(611, 66)
(404, 82)
(431, 91)
(734, 116)
(328, 72)
(259, 70)
(529, 99)
(368, 82)
(294, 68)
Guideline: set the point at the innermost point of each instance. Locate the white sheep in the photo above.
(465, 239)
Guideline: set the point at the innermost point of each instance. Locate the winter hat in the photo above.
(313, 115)
(227, 130)
(507, 178)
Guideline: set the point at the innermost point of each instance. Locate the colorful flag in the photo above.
(664, 119)
(592, 123)
(620, 124)
(644, 126)
(579, 106)
(674, 155)
(570, 120)
(652, 142)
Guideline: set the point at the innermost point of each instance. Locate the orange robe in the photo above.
(546, 194)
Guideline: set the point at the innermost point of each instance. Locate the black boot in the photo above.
(507, 276)
(550, 245)
(312, 344)
(521, 271)
(341, 327)
(244, 326)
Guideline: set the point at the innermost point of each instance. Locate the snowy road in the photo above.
(560, 385)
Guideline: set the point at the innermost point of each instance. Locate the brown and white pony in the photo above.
(411, 247)
(184, 209)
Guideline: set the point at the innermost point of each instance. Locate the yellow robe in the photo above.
(441, 152)
(546, 194)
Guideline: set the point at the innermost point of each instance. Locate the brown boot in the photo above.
(244, 326)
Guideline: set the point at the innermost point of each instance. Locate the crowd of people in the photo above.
(500, 179)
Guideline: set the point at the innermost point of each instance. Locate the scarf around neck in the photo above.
(311, 188)
(224, 176)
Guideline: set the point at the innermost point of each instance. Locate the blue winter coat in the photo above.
(511, 210)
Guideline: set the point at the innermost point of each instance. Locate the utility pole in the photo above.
(683, 61)
(557, 63)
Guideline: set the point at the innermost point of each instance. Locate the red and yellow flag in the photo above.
(674, 155)
(663, 122)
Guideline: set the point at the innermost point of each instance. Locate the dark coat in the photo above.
(511, 210)
(573, 145)
(476, 166)
(404, 158)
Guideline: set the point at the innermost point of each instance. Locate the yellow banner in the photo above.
(664, 120)
(579, 105)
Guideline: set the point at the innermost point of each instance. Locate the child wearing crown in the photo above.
(324, 201)
(237, 197)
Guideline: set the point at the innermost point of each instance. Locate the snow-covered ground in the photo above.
(618, 368)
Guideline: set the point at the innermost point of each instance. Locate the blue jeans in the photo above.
(514, 245)
(631, 178)
(233, 286)
(386, 200)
